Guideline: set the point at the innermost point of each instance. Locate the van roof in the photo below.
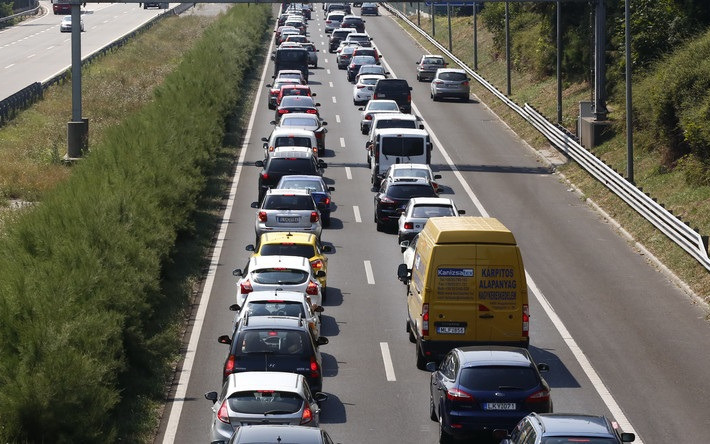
(401, 132)
(468, 229)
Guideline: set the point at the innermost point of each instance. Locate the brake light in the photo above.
(307, 415)
(319, 135)
(229, 365)
(438, 82)
(311, 111)
(314, 216)
(386, 200)
(526, 320)
(465, 83)
(374, 96)
(312, 289)
(315, 368)
(457, 395)
(408, 225)
(425, 319)
(359, 86)
(325, 201)
(368, 117)
(263, 217)
(541, 396)
(315, 150)
(409, 97)
(245, 287)
(223, 413)
(283, 111)
(317, 264)
(264, 176)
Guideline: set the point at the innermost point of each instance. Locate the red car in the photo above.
(293, 90)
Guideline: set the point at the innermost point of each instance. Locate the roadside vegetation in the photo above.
(96, 278)
(670, 91)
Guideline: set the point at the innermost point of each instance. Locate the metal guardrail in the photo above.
(675, 229)
(32, 10)
(31, 94)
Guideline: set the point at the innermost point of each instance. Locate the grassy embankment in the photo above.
(96, 278)
(669, 187)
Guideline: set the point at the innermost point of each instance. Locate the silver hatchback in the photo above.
(287, 210)
(249, 398)
(450, 82)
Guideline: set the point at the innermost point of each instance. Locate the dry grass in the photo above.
(692, 204)
(33, 144)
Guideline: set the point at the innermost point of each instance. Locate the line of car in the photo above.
(272, 376)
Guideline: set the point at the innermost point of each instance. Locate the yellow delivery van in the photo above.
(466, 286)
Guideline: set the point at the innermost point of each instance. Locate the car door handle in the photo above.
(486, 316)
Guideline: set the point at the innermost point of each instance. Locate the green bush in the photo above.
(80, 274)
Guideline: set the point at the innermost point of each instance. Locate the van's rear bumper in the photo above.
(435, 350)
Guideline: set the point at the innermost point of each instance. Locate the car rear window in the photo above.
(577, 440)
(306, 251)
(453, 76)
(298, 121)
(291, 55)
(363, 59)
(300, 165)
(278, 342)
(396, 123)
(299, 184)
(286, 202)
(392, 85)
(499, 378)
(402, 146)
(405, 191)
(263, 402)
(276, 308)
(432, 211)
(279, 276)
(297, 101)
(293, 141)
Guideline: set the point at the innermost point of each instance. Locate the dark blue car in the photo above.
(485, 388)
(319, 190)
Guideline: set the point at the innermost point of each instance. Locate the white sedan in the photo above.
(65, 25)
(365, 86)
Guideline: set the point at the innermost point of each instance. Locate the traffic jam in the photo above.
(468, 317)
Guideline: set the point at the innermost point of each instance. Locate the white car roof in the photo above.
(281, 295)
(280, 131)
(283, 381)
(371, 76)
(295, 262)
(410, 166)
(292, 151)
(283, 191)
(401, 116)
(429, 201)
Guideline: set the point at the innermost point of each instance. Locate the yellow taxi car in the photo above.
(295, 244)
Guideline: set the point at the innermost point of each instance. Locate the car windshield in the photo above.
(279, 276)
(265, 402)
(292, 165)
(288, 202)
(277, 342)
(406, 191)
(432, 211)
(453, 76)
(275, 308)
(498, 378)
(306, 251)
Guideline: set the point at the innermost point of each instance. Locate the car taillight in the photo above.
(223, 413)
(386, 200)
(408, 225)
(409, 97)
(283, 111)
(263, 217)
(325, 201)
(465, 84)
(352, 66)
(229, 365)
(311, 111)
(374, 96)
(245, 287)
(359, 86)
(307, 415)
(368, 117)
(315, 150)
(438, 82)
(264, 176)
(312, 289)
(314, 216)
(541, 396)
(328, 21)
(457, 395)
(526, 320)
(317, 264)
(315, 368)
(425, 319)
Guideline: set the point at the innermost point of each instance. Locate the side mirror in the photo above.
(628, 437)
(331, 188)
(259, 163)
(403, 273)
(224, 339)
(431, 366)
(437, 176)
(322, 340)
(320, 274)
(250, 247)
(361, 109)
(324, 123)
(313, 94)
(255, 204)
(462, 212)
(265, 145)
(410, 88)
(237, 272)
(326, 249)
(322, 164)
(211, 396)
(235, 307)
(273, 122)
(319, 309)
(269, 85)
(543, 367)
(320, 397)
(265, 139)
(317, 103)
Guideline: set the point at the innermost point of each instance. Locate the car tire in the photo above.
(434, 97)
(444, 438)
(421, 360)
(410, 330)
(326, 221)
(432, 411)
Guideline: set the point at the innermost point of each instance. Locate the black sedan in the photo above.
(297, 104)
(394, 195)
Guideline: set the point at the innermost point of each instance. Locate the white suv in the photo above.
(289, 273)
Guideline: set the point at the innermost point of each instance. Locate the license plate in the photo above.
(499, 406)
(288, 220)
(451, 330)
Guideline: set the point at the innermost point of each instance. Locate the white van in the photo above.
(397, 145)
(290, 137)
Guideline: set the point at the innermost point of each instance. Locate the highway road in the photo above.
(620, 338)
(35, 50)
